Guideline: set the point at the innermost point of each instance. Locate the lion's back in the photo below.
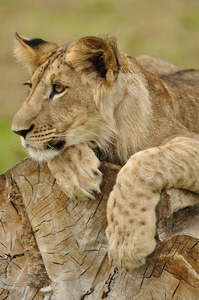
(183, 86)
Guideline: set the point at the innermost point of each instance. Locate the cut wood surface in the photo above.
(54, 248)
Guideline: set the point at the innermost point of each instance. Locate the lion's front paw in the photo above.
(131, 228)
(77, 172)
(129, 251)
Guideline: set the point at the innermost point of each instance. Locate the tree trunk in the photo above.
(54, 248)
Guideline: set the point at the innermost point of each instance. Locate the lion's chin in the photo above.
(42, 155)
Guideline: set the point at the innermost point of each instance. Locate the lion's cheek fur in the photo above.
(92, 128)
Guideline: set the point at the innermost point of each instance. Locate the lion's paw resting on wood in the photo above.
(76, 172)
(87, 91)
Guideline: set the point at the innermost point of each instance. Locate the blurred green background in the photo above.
(165, 28)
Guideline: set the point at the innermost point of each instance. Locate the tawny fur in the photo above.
(142, 113)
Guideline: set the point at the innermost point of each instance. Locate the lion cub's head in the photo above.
(66, 87)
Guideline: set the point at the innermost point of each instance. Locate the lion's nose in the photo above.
(24, 132)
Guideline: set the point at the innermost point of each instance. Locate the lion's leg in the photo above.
(131, 207)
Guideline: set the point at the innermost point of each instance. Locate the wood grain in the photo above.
(55, 248)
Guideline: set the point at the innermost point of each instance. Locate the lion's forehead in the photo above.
(50, 66)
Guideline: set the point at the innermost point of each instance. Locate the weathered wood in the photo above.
(55, 248)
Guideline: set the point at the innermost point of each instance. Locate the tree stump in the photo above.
(54, 248)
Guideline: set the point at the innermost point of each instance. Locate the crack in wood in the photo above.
(109, 282)
(23, 176)
(89, 292)
(1, 242)
(2, 226)
(175, 290)
(93, 214)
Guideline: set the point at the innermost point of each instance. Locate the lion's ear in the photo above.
(95, 58)
(33, 52)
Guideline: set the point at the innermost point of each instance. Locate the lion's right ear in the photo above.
(33, 52)
(96, 59)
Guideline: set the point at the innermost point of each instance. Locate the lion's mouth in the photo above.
(45, 151)
(54, 145)
(51, 145)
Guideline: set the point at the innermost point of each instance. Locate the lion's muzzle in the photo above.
(24, 132)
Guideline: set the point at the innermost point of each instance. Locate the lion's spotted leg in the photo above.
(131, 207)
(131, 223)
(77, 173)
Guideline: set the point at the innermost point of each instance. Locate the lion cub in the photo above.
(88, 93)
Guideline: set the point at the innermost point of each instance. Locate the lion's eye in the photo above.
(58, 88)
(28, 83)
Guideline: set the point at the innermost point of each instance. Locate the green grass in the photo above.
(168, 29)
(11, 150)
